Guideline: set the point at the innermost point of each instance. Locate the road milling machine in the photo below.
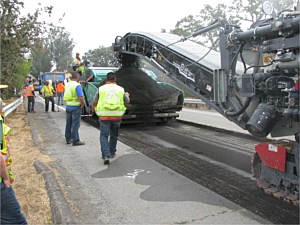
(253, 81)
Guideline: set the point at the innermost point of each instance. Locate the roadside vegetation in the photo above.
(28, 185)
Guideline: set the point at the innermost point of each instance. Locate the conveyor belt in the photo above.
(190, 64)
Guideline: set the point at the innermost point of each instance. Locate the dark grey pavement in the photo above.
(214, 119)
(133, 189)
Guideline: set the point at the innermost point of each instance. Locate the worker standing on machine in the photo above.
(76, 62)
(78, 65)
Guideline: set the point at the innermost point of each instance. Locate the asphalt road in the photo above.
(132, 189)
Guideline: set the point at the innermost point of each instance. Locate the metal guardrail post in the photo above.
(11, 107)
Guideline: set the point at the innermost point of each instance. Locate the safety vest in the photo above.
(111, 101)
(76, 62)
(70, 95)
(60, 87)
(4, 151)
(82, 69)
(47, 90)
(28, 91)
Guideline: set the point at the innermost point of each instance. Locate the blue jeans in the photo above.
(72, 124)
(109, 132)
(10, 208)
(60, 98)
(31, 102)
(47, 99)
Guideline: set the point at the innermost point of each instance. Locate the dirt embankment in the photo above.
(29, 186)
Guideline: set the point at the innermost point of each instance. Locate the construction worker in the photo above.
(78, 65)
(10, 207)
(74, 104)
(76, 61)
(109, 106)
(29, 92)
(60, 89)
(47, 92)
(81, 70)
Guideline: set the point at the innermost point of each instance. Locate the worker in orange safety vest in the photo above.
(60, 89)
(29, 92)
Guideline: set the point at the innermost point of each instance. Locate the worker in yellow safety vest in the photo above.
(109, 105)
(47, 92)
(74, 105)
(5, 152)
(5, 131)
(76, 61)
(78, 65)
(10, 207)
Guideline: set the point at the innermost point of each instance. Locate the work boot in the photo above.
(106, 161)
(78, 143)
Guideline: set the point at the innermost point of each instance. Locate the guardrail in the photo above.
(11, 107)
(196, 103)
(193, 101)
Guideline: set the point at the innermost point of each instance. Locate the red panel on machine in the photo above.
(273, 156)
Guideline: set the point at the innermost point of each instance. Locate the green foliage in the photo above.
(251, 11)
(206, 16)
(24, 38)
(18, 34)
(185, 26)
(238, 12)
(23, 70)
(41, 59)
(60, 45)
(16, 81)
(102, 56)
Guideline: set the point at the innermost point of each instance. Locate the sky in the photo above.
(95, 23)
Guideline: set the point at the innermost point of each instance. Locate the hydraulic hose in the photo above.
(239, 112)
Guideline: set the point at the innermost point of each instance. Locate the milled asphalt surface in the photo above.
(133, 189)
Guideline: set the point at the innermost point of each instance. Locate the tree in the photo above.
(206, 16)
(239, 12)
(251, 11)
(102, 56)
(60, 46)
(282, 5)
(23, 69)
(18, 34)
(41, 59)
(185, 26)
